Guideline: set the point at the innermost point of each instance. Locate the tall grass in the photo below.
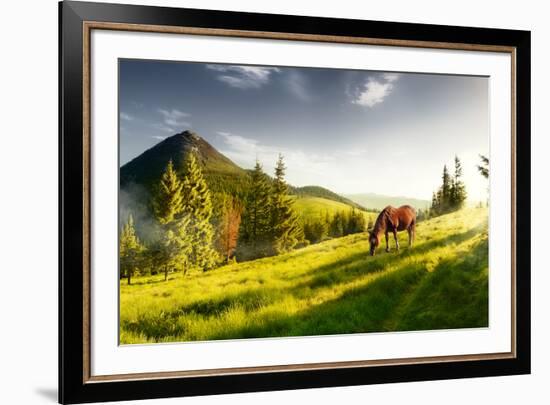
(330, 288)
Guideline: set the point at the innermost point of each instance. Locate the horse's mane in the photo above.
(380, 224)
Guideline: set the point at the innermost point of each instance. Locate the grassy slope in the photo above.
(378, 201)
(316, 207)
(318, 191)
(332, 287)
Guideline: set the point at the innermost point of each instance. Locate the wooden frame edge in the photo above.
(89, 25)
(86, 202)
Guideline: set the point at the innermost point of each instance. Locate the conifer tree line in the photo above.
(342, 223)
(451, 195)
(270, 225)
(197, 231)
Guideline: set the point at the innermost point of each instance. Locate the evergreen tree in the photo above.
(255, 225)
(435, 204)
(197, 204)
(446, 190)
(168, 199)
(171, 249)
(459, 188)
(484, 171)
(452, 193)
(286, 229)
(315, 231)
(483, 168)
(336, 228)
(357, 223)
(130, 250)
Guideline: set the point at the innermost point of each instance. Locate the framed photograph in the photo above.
(255, 202)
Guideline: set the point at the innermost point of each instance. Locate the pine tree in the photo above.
(287, 231)
(483, 168)
(356, 222)
(435, 204)
(459, 188)
(484, 171)
(168, 199)
(452, 194)
(255, 226)
(445, 190)
(197, 205)
(315, 231)
(336, 228)
(171, 249)
(130, 250)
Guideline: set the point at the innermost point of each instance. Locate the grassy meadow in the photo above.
(333, 287)
(310, 208)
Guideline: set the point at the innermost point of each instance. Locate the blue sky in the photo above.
(350, 131)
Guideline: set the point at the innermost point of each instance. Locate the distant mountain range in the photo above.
(223, 175)
(379, 201)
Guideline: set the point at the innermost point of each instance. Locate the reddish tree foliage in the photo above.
(229, 226)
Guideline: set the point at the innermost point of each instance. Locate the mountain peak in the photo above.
(189, 134)
(149, 166)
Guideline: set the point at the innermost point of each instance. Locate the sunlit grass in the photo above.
(315, 208)
(330, 288)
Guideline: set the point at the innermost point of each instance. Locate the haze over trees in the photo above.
(130, 250)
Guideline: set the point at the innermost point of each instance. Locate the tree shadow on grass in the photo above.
(457, 295)
(370, 307)
(360, 264)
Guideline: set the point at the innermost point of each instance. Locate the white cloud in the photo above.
(164, 128)
(238, 143)
(374, 93)
(172, 121)
(376, 90)
(175, 119)
(126, 117)
(303, 168)
(391, 77)
(244, 77)
(159, 137)
(296, 84)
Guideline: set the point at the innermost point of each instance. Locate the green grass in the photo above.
(330, 288)
(314, 208)
(378, 201)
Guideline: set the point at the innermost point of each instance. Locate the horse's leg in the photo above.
(409, 231)
(395, 237)
(387, 245)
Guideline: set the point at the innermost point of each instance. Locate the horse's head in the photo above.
(374, 242)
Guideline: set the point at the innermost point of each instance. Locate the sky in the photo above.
(351, 131)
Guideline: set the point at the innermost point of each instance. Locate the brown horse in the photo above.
(393, 220)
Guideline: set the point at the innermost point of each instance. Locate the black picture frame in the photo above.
(73, 384)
